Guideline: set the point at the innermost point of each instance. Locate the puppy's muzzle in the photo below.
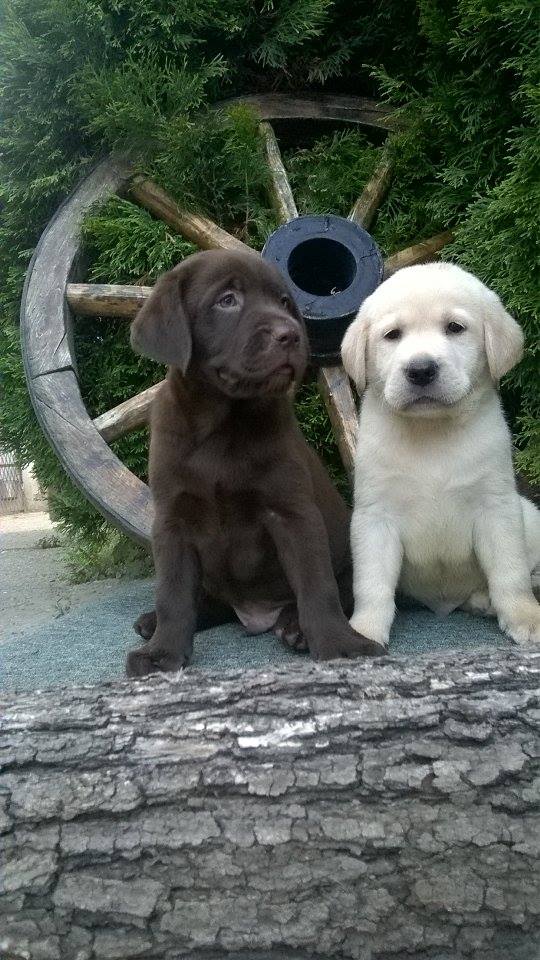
(421, 371)
(286, 335)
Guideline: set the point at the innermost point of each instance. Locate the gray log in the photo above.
(381, 810)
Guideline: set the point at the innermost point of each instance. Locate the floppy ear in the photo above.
(161, 328)
(353, 351)
(503, 338)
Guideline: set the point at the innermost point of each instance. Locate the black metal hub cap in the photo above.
(331, 265)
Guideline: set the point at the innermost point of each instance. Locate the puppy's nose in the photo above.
(421, 371)
(286, 335)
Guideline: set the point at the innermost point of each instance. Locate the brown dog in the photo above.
(244, 510)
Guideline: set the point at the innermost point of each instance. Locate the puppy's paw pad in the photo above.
(146, 660)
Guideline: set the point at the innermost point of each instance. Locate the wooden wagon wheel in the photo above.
(51, 297)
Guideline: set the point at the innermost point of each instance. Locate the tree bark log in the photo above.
(380, 810)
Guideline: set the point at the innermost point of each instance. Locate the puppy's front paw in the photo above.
(373, 623)
(523, 625)
(288, 630)
(146, 624)
(151, 658)
(480, 604)
(340, 642)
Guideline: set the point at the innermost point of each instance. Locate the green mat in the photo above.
(89, 644)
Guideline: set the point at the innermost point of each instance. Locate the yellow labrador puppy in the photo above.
(436, 511)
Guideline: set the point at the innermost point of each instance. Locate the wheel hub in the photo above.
(331, 265)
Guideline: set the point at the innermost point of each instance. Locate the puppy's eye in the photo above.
(285, 300)
(394, 334)
(228, 300)
(453, 327)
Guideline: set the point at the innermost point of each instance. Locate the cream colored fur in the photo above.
(436, 512)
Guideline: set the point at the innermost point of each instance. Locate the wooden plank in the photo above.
(127, 416)
(336, 391)
(280, 188)
(419, 253)
(373, 194)
(106, 299)
(200, 230)
(277, 106)
(116, 492)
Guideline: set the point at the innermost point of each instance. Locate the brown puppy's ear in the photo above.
(353, 351)
(503, 338)
(161, 328)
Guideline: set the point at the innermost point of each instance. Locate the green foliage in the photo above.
(81, 77)
(328, 177)
(106, 553)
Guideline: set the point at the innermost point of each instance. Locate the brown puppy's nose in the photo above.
(287, 336)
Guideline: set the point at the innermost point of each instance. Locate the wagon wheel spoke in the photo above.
(127, 416)
(200, 230)
(372, 195)
(333, 382)
(106, 299)
(280, 188)
(418, 253)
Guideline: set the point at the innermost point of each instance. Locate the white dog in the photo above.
(436, 513)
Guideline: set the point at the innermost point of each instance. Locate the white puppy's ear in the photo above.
(503, 338)
(353, 351)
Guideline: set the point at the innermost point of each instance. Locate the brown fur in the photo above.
(245, 513)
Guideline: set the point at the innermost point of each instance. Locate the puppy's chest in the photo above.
(213, 509)
(434, 512)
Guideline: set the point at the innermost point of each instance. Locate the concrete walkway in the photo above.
(34, 586)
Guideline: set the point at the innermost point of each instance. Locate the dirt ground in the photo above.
(34, 584)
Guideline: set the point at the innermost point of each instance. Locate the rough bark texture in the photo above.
(379, 810)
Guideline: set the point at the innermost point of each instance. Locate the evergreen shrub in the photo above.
(81, 77)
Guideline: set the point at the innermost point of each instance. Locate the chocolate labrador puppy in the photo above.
(245, 513)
